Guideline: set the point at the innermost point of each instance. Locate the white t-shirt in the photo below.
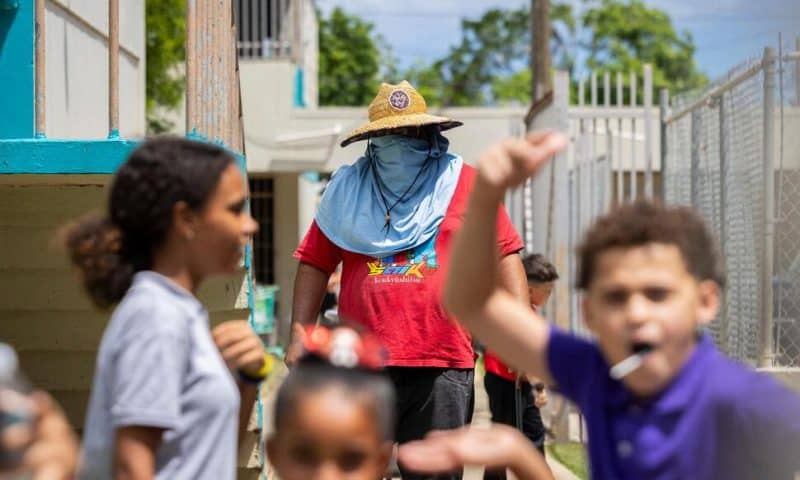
(158, 366)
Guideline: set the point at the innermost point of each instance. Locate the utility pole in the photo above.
(541, 83)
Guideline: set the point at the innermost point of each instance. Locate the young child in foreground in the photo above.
(334, 413)
(651, 277)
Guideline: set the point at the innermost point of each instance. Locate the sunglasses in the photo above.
(539, 387)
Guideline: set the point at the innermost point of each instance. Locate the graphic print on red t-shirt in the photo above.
(397, 296)
(412, 266)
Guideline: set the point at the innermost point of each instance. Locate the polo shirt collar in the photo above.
(168, 285)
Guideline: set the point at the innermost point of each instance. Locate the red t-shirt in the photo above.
(397, 297)
(493, 364)
(496, 366)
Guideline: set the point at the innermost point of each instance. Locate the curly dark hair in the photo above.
(538, 269)
(108, 250)
(644, 222)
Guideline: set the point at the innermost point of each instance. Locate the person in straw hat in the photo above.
(389, 218)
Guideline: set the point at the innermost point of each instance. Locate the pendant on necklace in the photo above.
(388, 219)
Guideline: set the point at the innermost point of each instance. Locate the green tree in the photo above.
(349, 60)
(165, 27)
(491, 63)
(624, 35)
(491, 60)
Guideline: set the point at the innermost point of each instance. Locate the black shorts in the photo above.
(430, 398)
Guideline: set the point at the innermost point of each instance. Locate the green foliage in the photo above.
(491, 63)
(165, 24)
(349, 60)
(626, 35)
(515, 88)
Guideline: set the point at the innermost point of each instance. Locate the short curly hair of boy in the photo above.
(538, 269)
(646, 221)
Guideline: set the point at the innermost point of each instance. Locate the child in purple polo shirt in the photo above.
(676, 408)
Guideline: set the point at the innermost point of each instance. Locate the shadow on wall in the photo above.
(8, 10)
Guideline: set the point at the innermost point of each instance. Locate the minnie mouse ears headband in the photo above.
(344, 347)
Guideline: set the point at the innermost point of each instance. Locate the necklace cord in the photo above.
(379, 181)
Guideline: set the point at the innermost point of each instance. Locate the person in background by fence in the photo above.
(659, 400)
(389, 219)
(164, 403)
(512, 397)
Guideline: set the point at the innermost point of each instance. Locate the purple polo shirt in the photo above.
(716, 420)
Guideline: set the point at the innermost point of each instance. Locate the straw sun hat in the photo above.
(397, 106)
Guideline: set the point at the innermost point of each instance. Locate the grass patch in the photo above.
(572, 455)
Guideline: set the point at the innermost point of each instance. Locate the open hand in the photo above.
(499, 446)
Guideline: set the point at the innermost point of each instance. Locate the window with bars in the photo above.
(261, 29)
(262, 209)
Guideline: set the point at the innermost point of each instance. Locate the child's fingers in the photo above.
(247, 354)
(16, 437)
(427, 456)
(230, 333)
(537, 136)
(530, 155)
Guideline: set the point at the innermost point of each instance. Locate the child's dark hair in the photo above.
(108, 250)
(312, 375)
(644, 222)
(538, 269)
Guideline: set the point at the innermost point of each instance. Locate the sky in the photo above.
(725, 32)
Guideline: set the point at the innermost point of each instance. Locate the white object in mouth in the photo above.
(627, 366)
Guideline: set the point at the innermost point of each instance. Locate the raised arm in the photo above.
(494, 315)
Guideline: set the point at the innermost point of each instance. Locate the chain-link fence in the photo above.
(727, 155)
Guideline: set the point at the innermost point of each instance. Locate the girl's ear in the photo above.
(184, 219)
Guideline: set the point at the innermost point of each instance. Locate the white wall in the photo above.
(271, 120)
(77, 69)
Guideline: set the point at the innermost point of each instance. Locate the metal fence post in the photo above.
(647, 94)
(40, 35)
(664, 110)
(723, 201)
(797, 73)
(113, 69)
(609, 174)
(766, 347)
(634, 178)
(697, 129)
(621, 170)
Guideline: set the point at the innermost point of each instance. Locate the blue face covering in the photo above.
(413, 178)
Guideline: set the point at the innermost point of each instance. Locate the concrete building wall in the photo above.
(44, 312)
(77, 69)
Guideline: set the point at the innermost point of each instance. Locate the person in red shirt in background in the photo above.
(510, 391)
(389, 219)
